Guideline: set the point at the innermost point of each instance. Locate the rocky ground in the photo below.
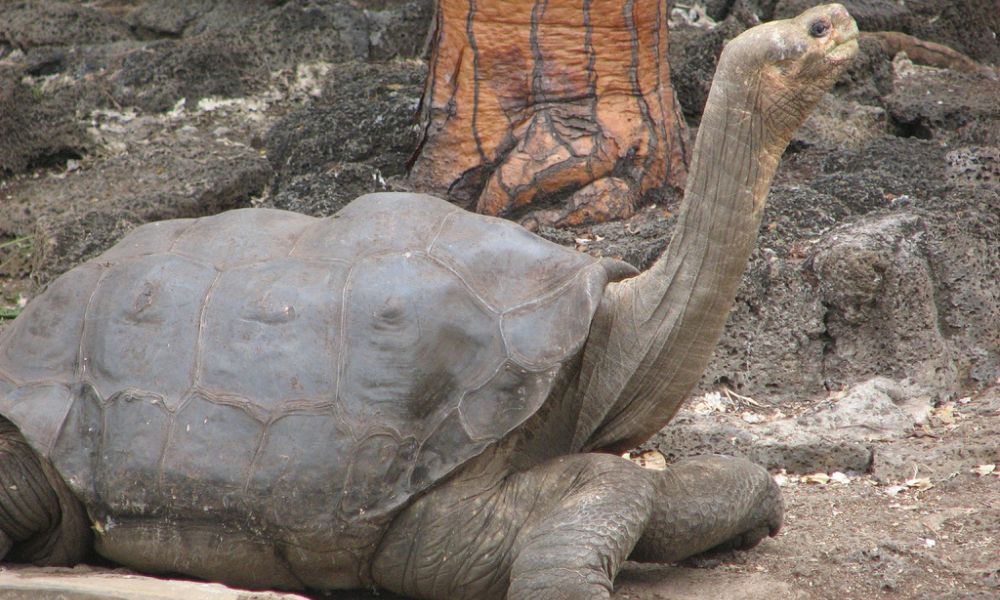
(861, 362)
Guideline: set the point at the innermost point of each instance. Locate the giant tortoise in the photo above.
(404, 395)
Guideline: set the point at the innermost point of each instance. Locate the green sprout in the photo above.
(16, 241)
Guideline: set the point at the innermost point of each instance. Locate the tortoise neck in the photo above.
(736, 156)
(677, 309)
(693, 284)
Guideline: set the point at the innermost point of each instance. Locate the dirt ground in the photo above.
(931, 534)
(919, 519)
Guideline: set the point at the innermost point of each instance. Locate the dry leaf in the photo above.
(984, 470)
(650, 459)
(945, 414)
(919, 484)
(711, 402)
(894, 490)
(839, 477)
(820, 478)
(740, 397)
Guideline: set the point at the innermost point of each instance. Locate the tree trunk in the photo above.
(550, 112)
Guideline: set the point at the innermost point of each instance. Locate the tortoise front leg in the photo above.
(558, 531)
(40, 520)
(574, 544)
(709, 502)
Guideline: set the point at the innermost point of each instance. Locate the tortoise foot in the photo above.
(710, 503)
(558, 531)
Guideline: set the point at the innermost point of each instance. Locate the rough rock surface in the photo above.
(36, 130)
(837, 434)
(153, 55)
(360, 130)
(78, 213)
(760, 10)
(55, 23)
(971, 117)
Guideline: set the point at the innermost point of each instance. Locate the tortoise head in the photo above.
(790, 64)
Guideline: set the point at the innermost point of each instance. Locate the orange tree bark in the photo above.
(552, 111)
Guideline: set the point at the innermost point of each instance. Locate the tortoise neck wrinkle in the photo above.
(659, 330)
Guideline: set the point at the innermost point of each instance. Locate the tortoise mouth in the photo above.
(846, 46)
(844, 50)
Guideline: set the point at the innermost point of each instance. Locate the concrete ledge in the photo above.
(90, 583)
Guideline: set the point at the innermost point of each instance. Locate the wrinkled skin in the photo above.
(543, 509)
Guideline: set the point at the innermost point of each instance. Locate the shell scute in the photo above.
(208, 457)
(415, 339)
(479, 248)
(501, 403)
(143, 324)
(241, 236)
(40, 409)
(134, 433)
(257, 317)
(290, 465)
(380, 461)
(543, 332)
(43, 343)
(436, 456)
(75, 452)
(374, 224)
(157, 237)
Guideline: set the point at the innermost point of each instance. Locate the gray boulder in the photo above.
(36, 129)
(838, 434)
(361, 130)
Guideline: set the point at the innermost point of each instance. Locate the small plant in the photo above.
(21, 241)
(15, 251)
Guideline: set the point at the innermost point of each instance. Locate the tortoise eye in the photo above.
(819, 28)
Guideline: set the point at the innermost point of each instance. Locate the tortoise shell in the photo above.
(289, 371)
